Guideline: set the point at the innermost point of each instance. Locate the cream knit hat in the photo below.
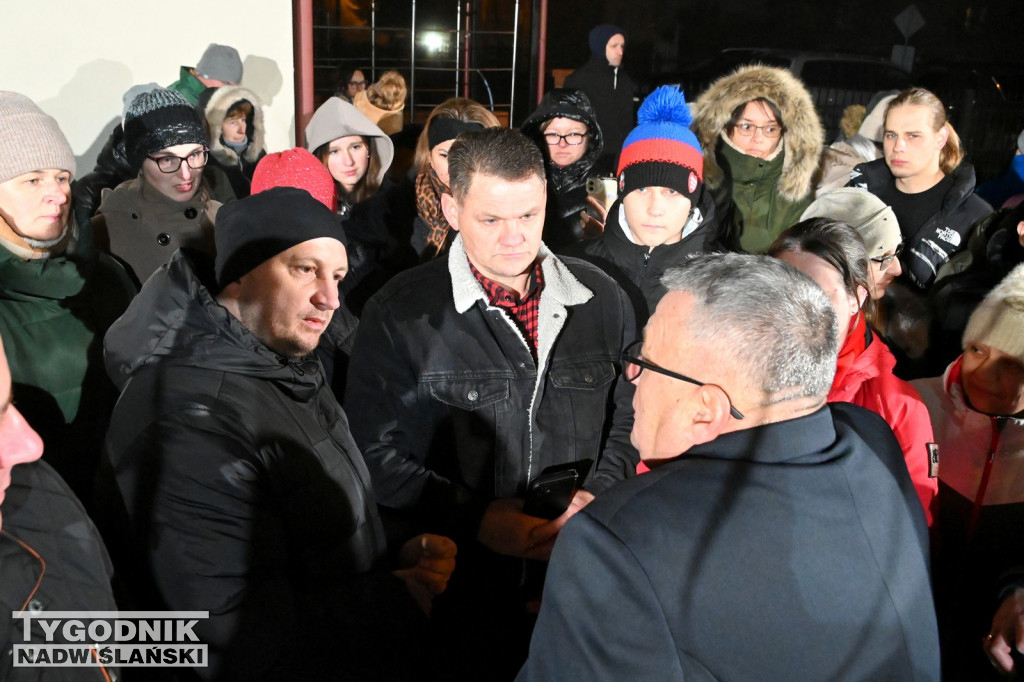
(999, 320)
(30, 139)
(873, 220)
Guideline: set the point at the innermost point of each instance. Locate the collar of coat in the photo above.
(560, 285)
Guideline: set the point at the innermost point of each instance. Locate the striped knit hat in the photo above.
(661, 151)
(159, 119)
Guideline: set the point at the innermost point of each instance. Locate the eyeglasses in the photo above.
(771, 131)
(572, 139)
(358, 84)
(171, 163)
(633, 365)
(885, 261)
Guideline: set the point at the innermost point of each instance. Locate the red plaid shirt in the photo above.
(524, 310)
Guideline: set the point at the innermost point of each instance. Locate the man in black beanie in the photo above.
(611, 92)
(233, 464)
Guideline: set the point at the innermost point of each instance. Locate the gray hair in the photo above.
(768, 319)
(499, 152)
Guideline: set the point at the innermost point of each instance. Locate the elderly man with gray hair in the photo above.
(776, 538)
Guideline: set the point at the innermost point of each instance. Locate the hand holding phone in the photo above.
(550, 493)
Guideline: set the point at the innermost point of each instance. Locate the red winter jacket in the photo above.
(870, 383)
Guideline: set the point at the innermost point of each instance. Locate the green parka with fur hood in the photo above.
(759, 198)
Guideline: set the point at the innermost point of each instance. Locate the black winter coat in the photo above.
(611, 92)
(928, 247)
(567, 187)
(112, 168)
(445, 398)
(637, 268)
(378, 231)
(51, 559)
(813, 523)
(452, 412)
(245, 494)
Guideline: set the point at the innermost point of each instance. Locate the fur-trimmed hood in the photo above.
(222, 99)
(803, 138)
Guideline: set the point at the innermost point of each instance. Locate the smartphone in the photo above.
(605, 190)
(550, 493)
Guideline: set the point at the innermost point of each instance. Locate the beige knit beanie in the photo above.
(999, 320)
(873, 220)
(30, 140)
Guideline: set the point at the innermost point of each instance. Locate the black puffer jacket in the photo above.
(379, 231)
(245, 494)
(51, 559)
(567, 186)
(112, 168)
(943, 235)
(638, 268)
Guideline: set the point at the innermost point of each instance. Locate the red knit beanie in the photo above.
(296, 168)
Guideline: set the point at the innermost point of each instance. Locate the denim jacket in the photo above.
(449, 407)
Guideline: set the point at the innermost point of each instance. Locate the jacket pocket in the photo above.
(587, 376)
(470, 394)
(574, 410)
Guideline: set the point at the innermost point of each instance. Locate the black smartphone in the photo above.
(550, 493)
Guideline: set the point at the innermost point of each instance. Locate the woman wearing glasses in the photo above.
(833, 255)
(565, 128)
(762, 141)
(144, 220)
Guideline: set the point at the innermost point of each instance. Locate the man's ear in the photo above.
(943, 135)
(711, 415)
(450, 208)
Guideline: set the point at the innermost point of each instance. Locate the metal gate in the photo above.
(443, 49)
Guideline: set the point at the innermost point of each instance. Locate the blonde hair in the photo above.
(460, 108)
(389, 92)
(952, 153)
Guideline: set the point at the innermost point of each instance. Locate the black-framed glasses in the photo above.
(171, 163)
(358, 84)
(633, 364)
(571, 139)
(771, 131)
(885, 261)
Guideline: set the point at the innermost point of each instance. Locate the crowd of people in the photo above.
(665, 391)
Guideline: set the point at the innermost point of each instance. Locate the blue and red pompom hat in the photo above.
(662, 151)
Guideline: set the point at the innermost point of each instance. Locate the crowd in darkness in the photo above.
(676, 391)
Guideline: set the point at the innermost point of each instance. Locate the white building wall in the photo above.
(76, 58)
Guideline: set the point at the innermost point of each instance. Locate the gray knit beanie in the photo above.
(999, 320)
(30, 139)
(222, 63)
(159, 119)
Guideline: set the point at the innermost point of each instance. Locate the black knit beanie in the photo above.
(159, 119)
(253, 230)
(599, 37)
